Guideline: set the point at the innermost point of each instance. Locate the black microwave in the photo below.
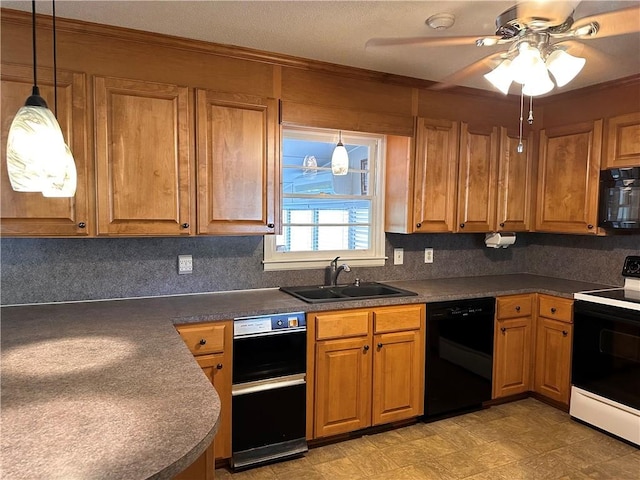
(619, 206)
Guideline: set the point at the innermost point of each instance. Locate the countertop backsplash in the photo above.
(55, 270)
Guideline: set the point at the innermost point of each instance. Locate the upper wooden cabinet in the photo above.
(436, 166)
(515, 183)
(622, 141)
(568, 174)
(477, 178)
(143, 156)
(31, 214)
(238, 163)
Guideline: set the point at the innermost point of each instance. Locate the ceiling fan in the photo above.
(538, 36)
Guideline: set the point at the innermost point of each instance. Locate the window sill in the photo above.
(299, 264)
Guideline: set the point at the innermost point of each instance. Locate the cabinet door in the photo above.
(343, 385)
(477, 179)
(515, 180)
(568, 175)
(29, 213)
(512, 357)
(142, 158)
(398, 376)
(553, 359)
(238, 164)
(217, 368)
(435, 175)
(622, 141)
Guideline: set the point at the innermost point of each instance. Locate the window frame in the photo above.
(374, 256)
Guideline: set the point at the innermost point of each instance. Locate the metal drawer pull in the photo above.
(564, 333)
(553, 309)
(503, 329)
(219, 366)
(203, 341)
(517, 308)
(366, 347)
(380, 345)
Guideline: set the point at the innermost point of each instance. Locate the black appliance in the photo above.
(619, 206)
(459, 356)
(268, 407)
(605, 372)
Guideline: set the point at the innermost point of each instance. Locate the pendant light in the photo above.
(340, 158)
(38, 159)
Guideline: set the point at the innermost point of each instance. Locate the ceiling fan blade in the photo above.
(596, 59)
(544, 13)
(484, 65)
(618, 22)
(429, 41)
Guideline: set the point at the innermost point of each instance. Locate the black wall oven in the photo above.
(269, 389)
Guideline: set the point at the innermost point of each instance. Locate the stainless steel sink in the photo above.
(342, 293)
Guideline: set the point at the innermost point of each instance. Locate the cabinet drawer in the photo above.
(203, 339)
(556, 308)
(394, 319)
(514, 306)
(339, 325)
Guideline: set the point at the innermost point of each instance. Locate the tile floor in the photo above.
(521, 440)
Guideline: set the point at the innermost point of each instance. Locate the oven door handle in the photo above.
(269, 384)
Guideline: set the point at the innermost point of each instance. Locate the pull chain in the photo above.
(530, 119)
(520, 148)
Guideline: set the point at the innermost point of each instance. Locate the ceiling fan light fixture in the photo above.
(501, 76)
(564, 66)
(525, 63)
(539, 83)
(340, 159)
(441, 21)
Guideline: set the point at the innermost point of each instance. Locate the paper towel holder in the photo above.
(499, 239)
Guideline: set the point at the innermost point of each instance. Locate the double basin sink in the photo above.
(342, 293)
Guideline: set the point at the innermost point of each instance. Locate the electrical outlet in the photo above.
(398, 256)
(185, 264)
(428, 255)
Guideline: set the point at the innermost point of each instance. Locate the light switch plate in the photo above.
(185, 264)
(398, 256)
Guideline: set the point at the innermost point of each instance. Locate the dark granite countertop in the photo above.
(108, 389)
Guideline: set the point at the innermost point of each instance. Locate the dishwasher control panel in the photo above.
(265, 324)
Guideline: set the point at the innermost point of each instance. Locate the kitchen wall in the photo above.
(52, 270)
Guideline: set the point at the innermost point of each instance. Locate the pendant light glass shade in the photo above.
(340, 159)
(539, 81)
(38, 159)
(564, 67)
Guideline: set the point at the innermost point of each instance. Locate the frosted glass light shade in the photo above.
(564, 66)
(522, 66)
(539, 81)
(340, 160)
(500, 77)
(37, 153)
(61, 182)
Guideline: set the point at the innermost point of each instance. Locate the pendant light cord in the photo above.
(55, 69)
(33, 37)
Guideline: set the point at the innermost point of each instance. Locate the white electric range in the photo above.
(605, 372)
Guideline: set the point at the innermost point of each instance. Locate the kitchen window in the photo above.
(324, 215)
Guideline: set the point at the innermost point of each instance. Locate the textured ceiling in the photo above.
(336, 32)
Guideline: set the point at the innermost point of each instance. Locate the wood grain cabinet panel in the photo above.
(477, 178)
(29, 213)
(238, 164)
(512, 358)
(622, 141)
(568, 176)
(436, 167)
(142, 158)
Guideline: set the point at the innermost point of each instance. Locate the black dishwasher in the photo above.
(459, 356)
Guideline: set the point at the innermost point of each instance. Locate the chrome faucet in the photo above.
(333, 271)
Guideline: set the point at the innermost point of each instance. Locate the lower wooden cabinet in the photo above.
(554, 334)
(211, 343)
(512, 360)
(368, 367)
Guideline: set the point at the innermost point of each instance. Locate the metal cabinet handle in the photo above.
(503, 330)
(462, 225)
(380, 345)
(502, 225)
(219, 366)
(185, 225)
(517, 308)
(270, 225)
(203, 341)
(553, 309)
(366, 347)
(564, 333)
(82, 225)
(418, 225)
(590, 227)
